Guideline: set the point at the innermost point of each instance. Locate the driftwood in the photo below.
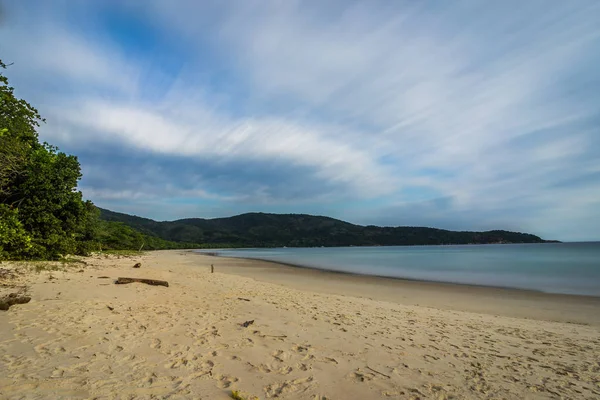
(212, 268)
(137, 265)
(243, 299)
(12, 299)
(154, 282)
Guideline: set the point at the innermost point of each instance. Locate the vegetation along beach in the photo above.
(299, 200)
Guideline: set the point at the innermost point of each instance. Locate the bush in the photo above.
(15, 242)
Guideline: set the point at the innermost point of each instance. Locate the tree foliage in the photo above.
(118, 236)
(43, 215)
(18, 135)
(15, 242)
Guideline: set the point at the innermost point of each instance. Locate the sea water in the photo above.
(569, 268)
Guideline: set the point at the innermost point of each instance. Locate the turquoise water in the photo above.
(572, 268)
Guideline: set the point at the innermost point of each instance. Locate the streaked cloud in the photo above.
(454, 114)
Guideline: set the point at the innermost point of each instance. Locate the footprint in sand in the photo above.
(205, 368)
(303, 367)
(225, 381)
(360, 375)
(284, 370)
(280, 355)
(300, 349)
(287, 387)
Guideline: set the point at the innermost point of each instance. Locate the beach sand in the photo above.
(314, 335)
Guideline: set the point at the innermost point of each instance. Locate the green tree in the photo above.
(49, 205)
(19, 118)
(38, 187)
(15, 242)
(18, 137)
(18, 134)
(13, 159)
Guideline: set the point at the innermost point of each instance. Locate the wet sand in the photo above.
(515, 303)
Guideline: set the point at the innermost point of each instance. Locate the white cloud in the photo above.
(225, 139)
(478, 103)
(141, 194)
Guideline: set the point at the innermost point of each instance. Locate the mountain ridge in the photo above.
(258, 229)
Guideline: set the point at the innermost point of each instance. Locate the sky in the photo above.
(463, 114)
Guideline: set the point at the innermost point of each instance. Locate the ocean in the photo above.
(568, 268)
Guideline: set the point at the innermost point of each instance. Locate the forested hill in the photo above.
(301, 230)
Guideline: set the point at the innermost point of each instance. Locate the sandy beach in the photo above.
(307, 335)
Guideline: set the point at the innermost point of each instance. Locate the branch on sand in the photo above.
(154, 282)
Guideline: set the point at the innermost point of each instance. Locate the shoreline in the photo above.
(402, 279)
(492, 300)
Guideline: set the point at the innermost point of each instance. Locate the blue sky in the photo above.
(455, 114)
